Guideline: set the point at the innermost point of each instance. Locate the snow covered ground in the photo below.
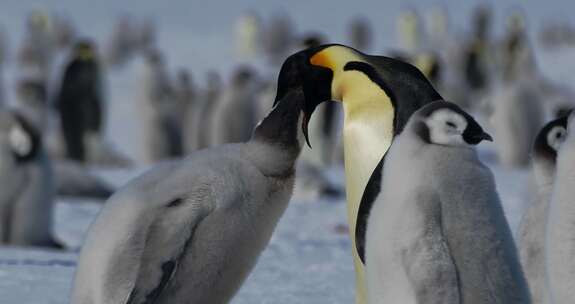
(308, 259)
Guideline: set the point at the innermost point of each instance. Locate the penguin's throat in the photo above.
(368, 132)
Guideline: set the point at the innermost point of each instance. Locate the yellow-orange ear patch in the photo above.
(322, 59)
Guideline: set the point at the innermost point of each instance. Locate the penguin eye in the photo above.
(451, 124)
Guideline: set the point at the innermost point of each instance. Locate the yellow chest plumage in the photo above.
(368, 132)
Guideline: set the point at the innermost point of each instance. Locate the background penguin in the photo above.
(162, 139)
(437, 232)
(531, 231)
(36, 54)
(235, 115)
(519, 104)
(80, 100)
(360, 34)
(198, 133)
(516, 118)
(191, 231)
(559, 246)
(187, 106)
(378, 95)
(409, 32)
(248, 35)
(27, 192)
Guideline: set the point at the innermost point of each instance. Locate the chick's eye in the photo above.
(451, 124)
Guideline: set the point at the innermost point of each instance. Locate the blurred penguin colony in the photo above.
(53, 132)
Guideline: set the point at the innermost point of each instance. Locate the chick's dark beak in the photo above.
(484, 136)
(475, 135)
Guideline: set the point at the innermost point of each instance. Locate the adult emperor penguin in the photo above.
(27, 192)
(190, 231)
(531, 232)
(560, 243)
(80, 100)
(378, 94)
(437, 233)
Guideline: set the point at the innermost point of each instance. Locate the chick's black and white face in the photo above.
(446, 127)
(556, 136)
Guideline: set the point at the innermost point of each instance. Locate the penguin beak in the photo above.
(477, 138)
(483, 136)
(304, 128)
(298, 73)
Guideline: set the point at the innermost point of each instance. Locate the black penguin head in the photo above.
(297, 72)
(550, 138)
(445, 123)
(85, 50)
(22, 137)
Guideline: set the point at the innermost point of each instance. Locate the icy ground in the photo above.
(308, 259)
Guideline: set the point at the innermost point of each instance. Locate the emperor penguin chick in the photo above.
(190, 231)
(531, 232)
(437, 232)
(27, 193)
(559, 235)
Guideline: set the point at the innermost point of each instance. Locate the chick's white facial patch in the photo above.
(446, 127)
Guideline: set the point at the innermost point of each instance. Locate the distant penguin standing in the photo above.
(235, 116)
(198, 133)
(521, 101)
(531, 231)
(159, 107)
(80, 100)
(191, 231)
(248, 35)
(36, 54)
(560, 240)
(409, 32)
(437, 232)
(360, 34)
(27, 193)
(517, 116)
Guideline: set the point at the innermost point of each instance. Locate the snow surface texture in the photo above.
(308, 259)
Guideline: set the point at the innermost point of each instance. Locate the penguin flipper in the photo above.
(166, 243)
(370, 193)
(430, 268)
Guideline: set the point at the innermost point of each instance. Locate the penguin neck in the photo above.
(368, 132)
(276, 141)
(543, 171)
